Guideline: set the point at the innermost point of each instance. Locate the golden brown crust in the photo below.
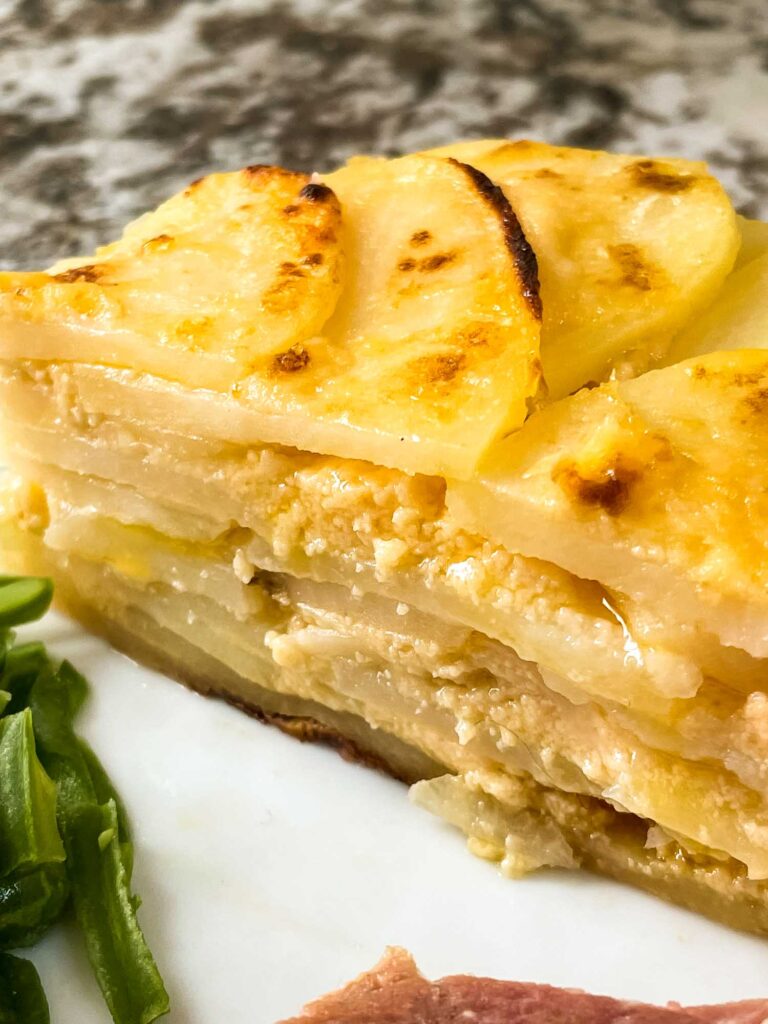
(658, 177)
(524, 257)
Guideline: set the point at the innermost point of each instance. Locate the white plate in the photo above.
(272, 872)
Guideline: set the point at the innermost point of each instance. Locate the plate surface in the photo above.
(272, 872)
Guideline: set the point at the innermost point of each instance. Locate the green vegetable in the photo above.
(64, 833)
(22, 1000)
(105, 792)
(106, 912)
(30, 904)
(23, 599)
(23, 664)
(99, 877)
(29, 835)
(33, 882)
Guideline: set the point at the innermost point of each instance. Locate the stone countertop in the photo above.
(108, 106)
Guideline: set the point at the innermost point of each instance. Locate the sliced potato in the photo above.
(235, 268)
(435, 341)
(432, 350)
(737, 319)
(754, 241)
(629, 249)
(738, 316)
(655, 487)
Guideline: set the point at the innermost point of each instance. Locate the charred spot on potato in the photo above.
(440, 259)
(291, 361)
(193, 186)
(753, 400)
(634, 270)
(288, 269)
(421, 237)
(315, 259)
(441, 368)
(291, 210)
(258, 170)
(757, 401)
(475, 337)
(650, 174)
(429, 264)
(260, 176)
(316, 193)
(437, 371)
(446, 367)
(89, 272)
(322, 236)
(748, 379)
(523, 256)
(731, 378)
(608, 488)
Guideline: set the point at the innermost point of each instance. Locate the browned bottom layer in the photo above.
(309, 730)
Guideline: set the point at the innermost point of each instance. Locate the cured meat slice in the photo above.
(395, 992)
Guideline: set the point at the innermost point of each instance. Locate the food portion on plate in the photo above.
(308, 444)
(395, 992)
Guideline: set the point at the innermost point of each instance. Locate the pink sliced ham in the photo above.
(748, 1011)
(395, 992)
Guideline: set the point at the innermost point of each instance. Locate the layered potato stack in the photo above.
(455, 461)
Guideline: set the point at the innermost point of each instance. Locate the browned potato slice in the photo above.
(234, 268)
(425, 353)
(435, 340)
(629, 249)
(656, 487)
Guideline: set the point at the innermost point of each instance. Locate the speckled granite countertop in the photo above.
(107, 106)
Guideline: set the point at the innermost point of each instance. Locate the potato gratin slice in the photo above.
(232, 286)
(289, 440)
